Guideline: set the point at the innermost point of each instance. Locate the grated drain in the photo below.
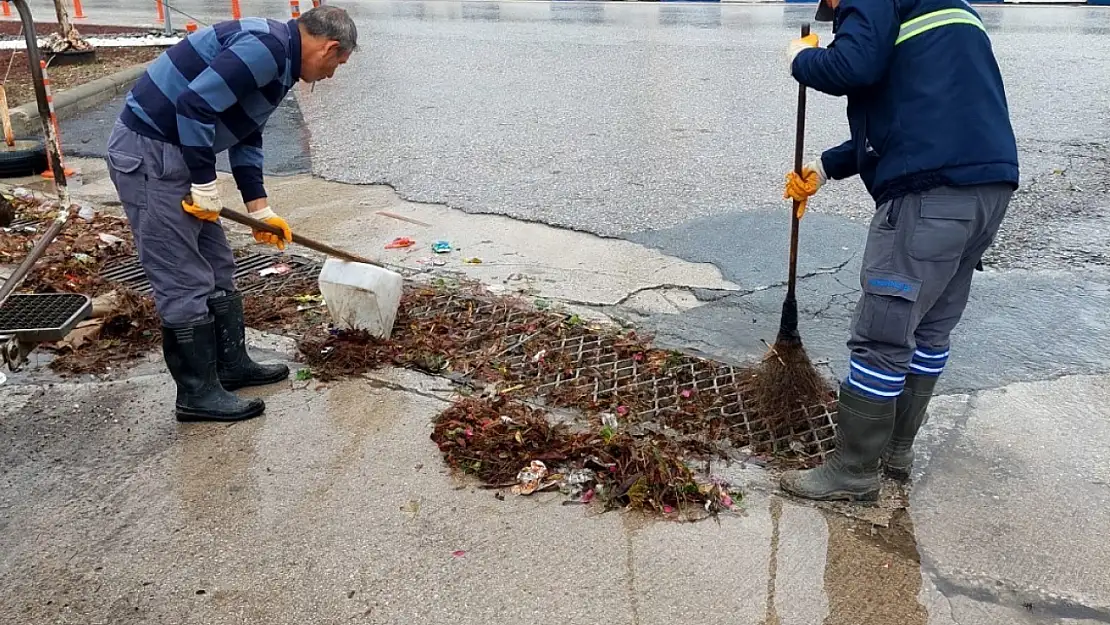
(129, 273)
(595, 367)
(43, 317)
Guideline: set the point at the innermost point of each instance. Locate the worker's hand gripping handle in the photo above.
(256, 224)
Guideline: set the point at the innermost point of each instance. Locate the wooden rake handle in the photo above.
(799, 153)
(311, 244)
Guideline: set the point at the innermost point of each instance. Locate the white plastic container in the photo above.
(361, 296)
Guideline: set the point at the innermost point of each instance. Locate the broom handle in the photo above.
(799, 141)
(323, 248)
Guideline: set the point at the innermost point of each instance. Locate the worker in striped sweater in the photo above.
(213, 91)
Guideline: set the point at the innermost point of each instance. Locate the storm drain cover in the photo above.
(593, 367)
(253, 272)
(25, 225)
(39, 317)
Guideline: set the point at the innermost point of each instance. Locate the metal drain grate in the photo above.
(41, 317)
(129, 273)
(586, 364)
(25, 225)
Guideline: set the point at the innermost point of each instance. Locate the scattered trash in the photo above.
(609, 420)
(110, 239)
(441, 247)
(84, 332)
(458, 553)
(531, 479)
(412, 507)
(275, 270)
(22, 194)
(86, 212)
(3, 378)
(83, 258)
(399, 243)
(303, 375)
(473, 261)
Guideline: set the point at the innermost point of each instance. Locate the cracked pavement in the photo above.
(486, 122)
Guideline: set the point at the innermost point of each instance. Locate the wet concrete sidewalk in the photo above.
(336, 507)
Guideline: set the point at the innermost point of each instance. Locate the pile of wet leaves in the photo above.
(508, 444)
(124, 325)
(123, 328)
(73, 260)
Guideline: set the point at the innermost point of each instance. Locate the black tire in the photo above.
(69, 57)
(26, 158)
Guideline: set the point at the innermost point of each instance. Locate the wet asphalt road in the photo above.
(504, 107)
(679, 138)
(285, 144)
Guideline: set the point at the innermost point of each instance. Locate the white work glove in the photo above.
(206, 202)
(818, 167)
(797, 45)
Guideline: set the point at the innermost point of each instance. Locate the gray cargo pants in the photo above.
(921, 253)
(185, 259)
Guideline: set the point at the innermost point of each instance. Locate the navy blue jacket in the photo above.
(928, 112)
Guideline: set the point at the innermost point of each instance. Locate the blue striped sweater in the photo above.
(214, 91)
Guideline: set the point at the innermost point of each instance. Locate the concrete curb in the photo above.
(25, 117)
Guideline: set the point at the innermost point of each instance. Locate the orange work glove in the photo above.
(801, 188)
(797, 45)
(268, 216)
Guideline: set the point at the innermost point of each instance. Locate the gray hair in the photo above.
(331, 23)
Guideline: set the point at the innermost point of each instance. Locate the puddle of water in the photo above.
(871, 573)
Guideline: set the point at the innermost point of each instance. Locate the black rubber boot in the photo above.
(190, 352)
(910, 415)
(236, 369)
(851, 470)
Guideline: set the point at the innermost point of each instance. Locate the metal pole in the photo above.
(54, 152)
(168, 30)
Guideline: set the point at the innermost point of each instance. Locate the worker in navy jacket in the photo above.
(932, 142)
(213, 91)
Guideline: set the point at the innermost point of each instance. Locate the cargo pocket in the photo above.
(886, 309)
(123, 162)
(126, 172)
(943, 227)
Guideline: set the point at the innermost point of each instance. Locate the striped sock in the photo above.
(928, 362)
(874, 383)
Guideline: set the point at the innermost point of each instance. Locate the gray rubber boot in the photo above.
(851, 470)
(910, 415)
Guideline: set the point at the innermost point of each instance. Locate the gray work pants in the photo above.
(920, 257)
(185, 259)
